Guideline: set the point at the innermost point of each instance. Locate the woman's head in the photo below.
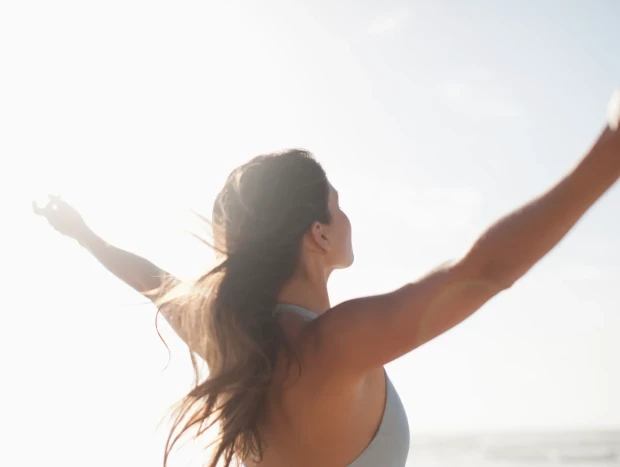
(278, 200)
(275, 214)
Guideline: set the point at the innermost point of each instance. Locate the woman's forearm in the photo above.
(511, 246)
(134, 270)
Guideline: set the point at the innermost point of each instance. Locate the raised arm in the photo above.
(360, 335)
(135, 271)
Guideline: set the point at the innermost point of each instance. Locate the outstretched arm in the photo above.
(363, 334)
(135, 271)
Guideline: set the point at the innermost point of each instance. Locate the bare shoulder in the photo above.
(361, 335)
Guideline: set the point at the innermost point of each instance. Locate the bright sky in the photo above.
(431, 118)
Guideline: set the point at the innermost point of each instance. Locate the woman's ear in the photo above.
(319, 235)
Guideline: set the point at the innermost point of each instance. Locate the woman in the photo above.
(293, 381)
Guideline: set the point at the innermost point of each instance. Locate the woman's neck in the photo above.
(307, 290)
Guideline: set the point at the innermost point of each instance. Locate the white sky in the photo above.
(431, 118)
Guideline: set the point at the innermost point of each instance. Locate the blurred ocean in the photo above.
(575, 449)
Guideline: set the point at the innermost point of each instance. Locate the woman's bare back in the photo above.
(308, 419)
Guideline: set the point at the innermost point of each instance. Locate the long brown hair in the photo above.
(228, 316)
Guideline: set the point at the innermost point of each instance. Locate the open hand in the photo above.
(63, 217)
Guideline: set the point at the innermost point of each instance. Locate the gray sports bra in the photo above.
(390, 446)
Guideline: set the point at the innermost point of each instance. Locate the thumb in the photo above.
(37, 210)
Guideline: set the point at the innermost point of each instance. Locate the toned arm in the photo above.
(360, 335)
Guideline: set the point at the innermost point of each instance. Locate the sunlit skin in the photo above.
(324, 249)
(328, 414)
